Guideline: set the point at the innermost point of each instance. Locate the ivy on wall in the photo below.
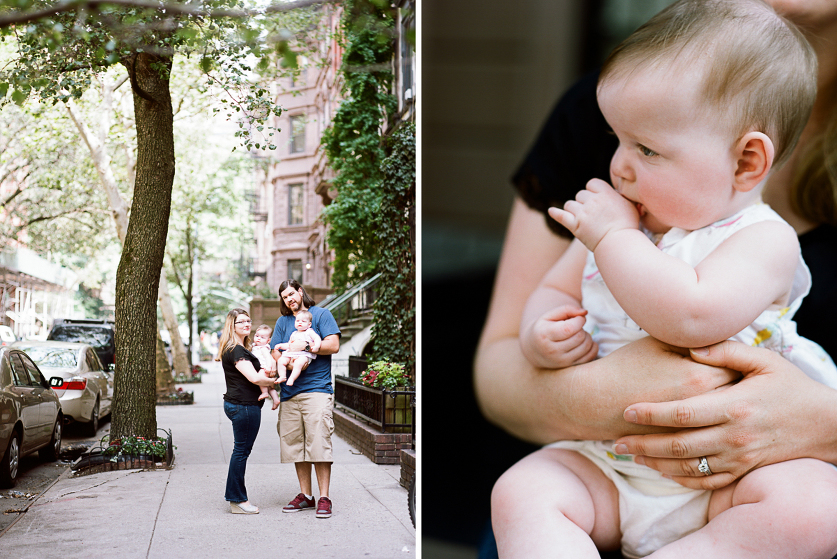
(395, 308)
(353, 141)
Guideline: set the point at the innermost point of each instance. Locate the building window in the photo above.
(295, 270)
(298, 134)
(295, 208)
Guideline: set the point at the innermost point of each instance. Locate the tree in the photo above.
(204, 194)
(59, 50)
(394, 331)
(96, 143)
(353, 141)
(44, 181)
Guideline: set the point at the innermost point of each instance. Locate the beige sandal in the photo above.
(243, 508)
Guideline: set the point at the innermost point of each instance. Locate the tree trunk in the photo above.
(138, 275)
(101, 160)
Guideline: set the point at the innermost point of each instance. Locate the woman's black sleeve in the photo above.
(574, 146)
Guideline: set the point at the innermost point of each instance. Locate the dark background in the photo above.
(491, 71)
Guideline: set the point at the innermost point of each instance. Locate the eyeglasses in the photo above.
(244, 322)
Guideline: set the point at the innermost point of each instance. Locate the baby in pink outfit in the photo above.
(261, 349)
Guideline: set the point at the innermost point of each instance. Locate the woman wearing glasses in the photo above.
(241, 402)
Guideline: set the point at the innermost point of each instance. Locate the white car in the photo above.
(87, 389)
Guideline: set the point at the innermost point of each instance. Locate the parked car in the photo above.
(7, 336)
(96, 333)
(30, 414)
(86, 387)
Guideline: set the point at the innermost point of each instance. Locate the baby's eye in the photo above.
(646, 152)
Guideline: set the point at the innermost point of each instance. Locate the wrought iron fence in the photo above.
(356, 366)
(392, 411)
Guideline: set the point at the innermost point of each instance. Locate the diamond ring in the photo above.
(703, 467)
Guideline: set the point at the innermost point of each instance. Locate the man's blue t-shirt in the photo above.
(317, 377)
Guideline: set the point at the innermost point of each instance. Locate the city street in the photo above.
(182, 513)
(36, 476)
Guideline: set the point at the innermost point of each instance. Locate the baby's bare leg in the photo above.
(300, 363)
(282, 366)
(554, 503)
(265, 393)
(783, 510)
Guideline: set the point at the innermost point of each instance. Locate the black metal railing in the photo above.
(392, 411)
(355, 302)
(356, 366)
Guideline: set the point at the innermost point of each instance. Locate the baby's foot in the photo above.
(275, 404)
(280, 379)
(264, 396)
(290, 383)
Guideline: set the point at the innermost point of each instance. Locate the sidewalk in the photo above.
(181, 513)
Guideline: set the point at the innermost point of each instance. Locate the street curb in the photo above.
(63, 475)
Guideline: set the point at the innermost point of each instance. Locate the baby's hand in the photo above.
(557, 339)
(281, 347)
(595, 212)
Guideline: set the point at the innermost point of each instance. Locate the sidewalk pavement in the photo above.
(181, 513)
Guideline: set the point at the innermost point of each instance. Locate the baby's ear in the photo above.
(754, 157)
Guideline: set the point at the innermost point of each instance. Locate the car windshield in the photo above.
(52, 356)
(94, 337)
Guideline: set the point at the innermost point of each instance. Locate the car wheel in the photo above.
(93, 424)
(52, 451)
(10, 462)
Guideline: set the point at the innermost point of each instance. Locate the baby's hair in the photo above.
(758, 71)
(264, 327)
(305, 314)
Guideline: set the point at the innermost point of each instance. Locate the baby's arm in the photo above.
(685, 306)
(551, 330)
(316, 340)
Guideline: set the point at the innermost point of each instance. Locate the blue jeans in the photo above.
(245, 422)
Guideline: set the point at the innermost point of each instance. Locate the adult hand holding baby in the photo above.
(745, 426)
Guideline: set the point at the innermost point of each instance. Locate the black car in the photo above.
(96, 333)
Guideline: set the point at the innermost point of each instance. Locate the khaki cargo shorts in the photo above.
(305, 427)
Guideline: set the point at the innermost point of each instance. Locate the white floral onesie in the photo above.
(653, 510)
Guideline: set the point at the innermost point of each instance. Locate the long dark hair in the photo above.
(306, 300)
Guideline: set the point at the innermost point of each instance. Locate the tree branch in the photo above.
(49, 217)
(177, 9)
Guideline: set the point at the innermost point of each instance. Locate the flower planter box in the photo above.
(391, 411)
(134, 455)
(178, 398)
(180, 379)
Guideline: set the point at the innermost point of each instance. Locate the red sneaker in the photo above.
(299, 503)
(324, 507)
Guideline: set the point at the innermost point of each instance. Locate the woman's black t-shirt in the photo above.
(240, 390)
(576, 145)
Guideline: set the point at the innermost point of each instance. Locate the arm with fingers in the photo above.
(247, 369)
(555, 338)
(543, 405)
(672, 301)
(752, 423)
